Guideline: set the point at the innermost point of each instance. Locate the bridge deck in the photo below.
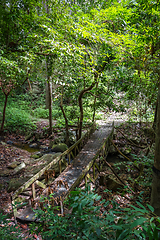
(75, 172)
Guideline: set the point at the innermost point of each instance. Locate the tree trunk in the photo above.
(94, 104)
(81, 107)
(66, 120)
(96, 74)
(50, 106)
(49, 96)
(155, 116)
(4, 114)
(155, 196)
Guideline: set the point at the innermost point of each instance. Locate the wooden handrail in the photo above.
(56, 160)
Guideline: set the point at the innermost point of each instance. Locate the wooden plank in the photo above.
(40, 184)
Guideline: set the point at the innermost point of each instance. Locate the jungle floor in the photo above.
(134, 140)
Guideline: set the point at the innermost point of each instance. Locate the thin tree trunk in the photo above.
(96, 74)
(65, 117)
(50, 107)
(155, 116)
(94, 104)
(49, 71)
(4, 114)
(155, 195)
(29, 84)
(81, 107)
(49, 97)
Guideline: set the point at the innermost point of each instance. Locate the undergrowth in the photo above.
(87, 220)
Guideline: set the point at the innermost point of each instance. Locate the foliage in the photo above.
(86, 220)
(17, 119)
(40, 113)
(7, 231)
(147, 162)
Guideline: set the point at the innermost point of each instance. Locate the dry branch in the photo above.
(123, 154)
(118, 176)
(132, 143)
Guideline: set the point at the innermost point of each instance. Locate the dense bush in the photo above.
(17, 119)
(86, 220)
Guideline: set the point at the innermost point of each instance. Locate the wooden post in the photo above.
(77, 149)
(33, 191)
(72, 154)
(69, 158)
(97, 166)
(85, 180)
(94, 171)
(14, 210)
(60, 166)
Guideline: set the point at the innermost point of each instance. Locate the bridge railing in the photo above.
(69, 153)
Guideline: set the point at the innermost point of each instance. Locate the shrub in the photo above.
(17, 119)
(8, 232)
(40, 113)
(86, 221)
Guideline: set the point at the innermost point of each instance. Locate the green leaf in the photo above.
(138, 222)
(150, 208)
(98, 231)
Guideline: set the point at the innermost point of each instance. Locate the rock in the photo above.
(10, 142)
(13, 164)
(15, 183)
(35, 156)
(43, 147)
(109, 182)
(61, 147)
(33, 145)
(19, 168)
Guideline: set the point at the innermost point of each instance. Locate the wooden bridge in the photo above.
(88, 154)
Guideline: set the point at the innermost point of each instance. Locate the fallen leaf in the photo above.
(24, 226)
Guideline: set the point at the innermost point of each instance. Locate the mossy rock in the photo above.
(61, 147)
(35, 156)
(15, 183)
(14, 164)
